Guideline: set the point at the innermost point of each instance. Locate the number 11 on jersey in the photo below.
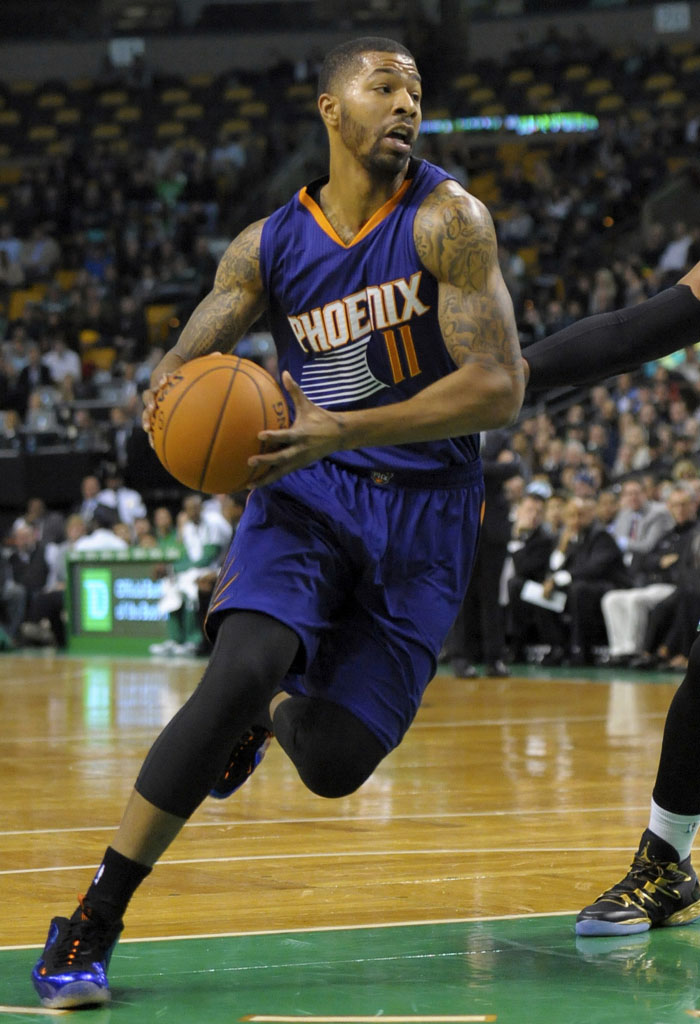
(409, 353)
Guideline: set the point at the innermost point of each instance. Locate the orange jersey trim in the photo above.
(319, 216)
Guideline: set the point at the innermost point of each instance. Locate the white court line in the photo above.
(311, 929)
(323, 855)
(32, 1010)
(469, 723)
(469, 1018)
(339, 819)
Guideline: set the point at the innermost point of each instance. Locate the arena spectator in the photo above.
(654, 575)
(127, 502)
(640, 523)
(585, 563)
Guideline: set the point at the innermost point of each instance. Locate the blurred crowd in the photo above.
(107, 516)
(103, 255)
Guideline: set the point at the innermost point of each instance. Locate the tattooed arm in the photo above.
(235, 302)
(456, 242)
(224, 315)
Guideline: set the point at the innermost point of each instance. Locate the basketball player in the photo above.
(397, 341)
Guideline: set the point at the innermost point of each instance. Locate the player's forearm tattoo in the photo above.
(234, 303)
(455, 240)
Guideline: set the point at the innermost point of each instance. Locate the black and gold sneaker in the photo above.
(658, 891)
(243, 760)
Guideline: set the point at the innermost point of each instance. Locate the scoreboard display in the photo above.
(112, 600)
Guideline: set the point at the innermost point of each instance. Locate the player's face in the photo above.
(380, 112)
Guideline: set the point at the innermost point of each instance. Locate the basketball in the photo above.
(207, 418)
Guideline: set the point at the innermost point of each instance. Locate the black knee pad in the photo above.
(333, 751)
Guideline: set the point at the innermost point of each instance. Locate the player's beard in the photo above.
(367, 148)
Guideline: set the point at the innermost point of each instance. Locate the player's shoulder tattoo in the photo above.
(240, 265)
(454, 237)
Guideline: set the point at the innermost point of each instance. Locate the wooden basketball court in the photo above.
(444, 890)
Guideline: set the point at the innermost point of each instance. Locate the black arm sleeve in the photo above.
(604, 345)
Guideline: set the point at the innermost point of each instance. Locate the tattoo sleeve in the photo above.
(456, 241)
(235, 302)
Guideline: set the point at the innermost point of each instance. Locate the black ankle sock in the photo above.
(115, 882)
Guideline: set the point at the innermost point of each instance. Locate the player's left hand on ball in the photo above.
(314, 433)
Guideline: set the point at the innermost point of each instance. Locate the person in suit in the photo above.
(585, 564)
(529, 549)
(479, 630)
(654, 573)
(32, 376)
(640, 523)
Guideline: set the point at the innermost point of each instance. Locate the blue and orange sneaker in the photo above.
(658, 891)
(72, 970)
(243, 760)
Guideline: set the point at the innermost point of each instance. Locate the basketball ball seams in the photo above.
(261, 446)
(215, 433)
(180, 398)
(204, 431)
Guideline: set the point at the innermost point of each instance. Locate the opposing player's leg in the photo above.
(661, 887)
(251, 655)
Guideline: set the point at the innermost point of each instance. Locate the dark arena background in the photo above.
(137, 138)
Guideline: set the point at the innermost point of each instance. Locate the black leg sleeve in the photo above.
(604, 345)
(677, 786)
(252, 654)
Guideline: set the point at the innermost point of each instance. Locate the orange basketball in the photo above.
(207, 418)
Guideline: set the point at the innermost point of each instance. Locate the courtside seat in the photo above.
(300, 91)
(113, 98)
(609, 103)
(237, 93)
(577, 72)
(480, 96)
(201, 80)
(254, 108)
(50, 100)
(169, 129)
(19, 297)
(128, 114)
(659, 82)
(158, 316)
(670, 98)
(42, 133)
(466, 82)
(66, 279)
(105, 131)
(597, 86)
(189, 112)
(690, 65)
(59, 147)
(175, 96)
(23, 87)
(81, 85)
(520, 76)
(493, 110)
(67, 115)
(234, 126)
(681, 47)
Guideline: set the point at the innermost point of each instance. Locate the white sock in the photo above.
(676, 829)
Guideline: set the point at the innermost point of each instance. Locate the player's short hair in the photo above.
(340, 59)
